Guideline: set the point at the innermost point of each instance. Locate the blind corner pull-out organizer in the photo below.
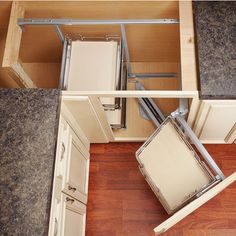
(181, 178)
(96, 64)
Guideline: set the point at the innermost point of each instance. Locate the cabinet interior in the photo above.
(152, 48)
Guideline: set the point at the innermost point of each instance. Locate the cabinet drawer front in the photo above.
(78, 168)
(77, 172)
(74, 217)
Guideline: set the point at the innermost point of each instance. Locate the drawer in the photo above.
(77, 169)
(74, 217)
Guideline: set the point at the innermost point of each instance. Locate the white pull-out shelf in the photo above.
(92, 66)
(178, 176)
(171, 166)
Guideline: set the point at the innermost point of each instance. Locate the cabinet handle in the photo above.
(71, 188)
(55, 227)
(63, 149)
(68, 199)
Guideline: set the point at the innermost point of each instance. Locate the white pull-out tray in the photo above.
(93, 67)
(178, 177)
(172, 167)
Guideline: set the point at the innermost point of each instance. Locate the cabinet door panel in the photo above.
(73, 223)
(97, 130)
(74, 217)
(215, 121)
(77, 170)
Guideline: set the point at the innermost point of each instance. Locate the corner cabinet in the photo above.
(70, 187)
(216, 121)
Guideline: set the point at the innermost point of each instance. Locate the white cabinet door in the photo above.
(74, 217)
(70, 175)
(77, 168)
(90, 115)
(216, 121)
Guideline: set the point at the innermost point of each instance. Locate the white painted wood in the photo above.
(87, 117)
(68, 127)
(215, 120)
(194, 108)
(93, 67)
(75, 95)
(130, 139)
(73, 217)
(59, 174)
(171, 167)
(74, 125)
(178, 216)
(231, 137)
(77, 169)
(102, 116)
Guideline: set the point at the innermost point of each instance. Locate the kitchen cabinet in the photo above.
(73, 222)
(70, 185)
(77, 169)
(216, 121)
(83, 120)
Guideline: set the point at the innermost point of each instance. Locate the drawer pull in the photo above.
(71, 188)
(63, 149)
(68, 199)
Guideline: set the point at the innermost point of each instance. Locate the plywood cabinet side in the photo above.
(11, 61)
(187, 46)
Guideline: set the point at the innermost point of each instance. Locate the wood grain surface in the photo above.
(121, 203)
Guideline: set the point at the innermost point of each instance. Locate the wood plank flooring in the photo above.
(121, 203)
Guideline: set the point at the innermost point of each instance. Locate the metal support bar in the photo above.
(183, 106)
(152, 75)
(124, 41)
(199, 145)
(63, 65)
(37, 21)
(59, 33)
(150, 108)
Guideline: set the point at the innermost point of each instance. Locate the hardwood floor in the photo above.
(121, 203)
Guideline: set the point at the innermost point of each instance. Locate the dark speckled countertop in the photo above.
(215, 26)
(28, 131)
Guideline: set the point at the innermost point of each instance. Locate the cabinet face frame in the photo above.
(95, 95)
(66, 123)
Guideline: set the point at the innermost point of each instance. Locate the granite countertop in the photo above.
(215, 26)
(28, 132)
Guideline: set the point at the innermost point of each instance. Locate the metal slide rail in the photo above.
(149, 107)
(155, 115)
(22, 22)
